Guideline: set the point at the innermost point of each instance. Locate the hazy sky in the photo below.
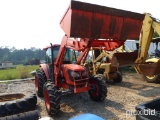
(35, 23)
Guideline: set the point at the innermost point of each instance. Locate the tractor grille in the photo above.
(78, 76)
(80, 80)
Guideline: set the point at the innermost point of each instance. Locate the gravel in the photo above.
(121, 97)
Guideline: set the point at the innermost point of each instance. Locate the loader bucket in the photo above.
(85, 20)
(150, 69)
(126, 58)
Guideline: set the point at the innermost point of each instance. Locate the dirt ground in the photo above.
(122, 97)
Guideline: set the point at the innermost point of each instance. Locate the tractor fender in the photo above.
(152, 60)
(45, 68)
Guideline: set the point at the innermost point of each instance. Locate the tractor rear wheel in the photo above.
(152, 79)
(52, 98)
(119, 77)
(98, 91)
(40, 80)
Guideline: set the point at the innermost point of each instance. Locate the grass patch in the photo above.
(19, 72)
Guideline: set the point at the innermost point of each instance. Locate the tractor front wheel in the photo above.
(52, 98)
(98, 90)
(119, 77)
(40, 80)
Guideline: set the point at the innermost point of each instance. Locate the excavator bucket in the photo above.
(126, 58)
(150, 69)
(85, 20)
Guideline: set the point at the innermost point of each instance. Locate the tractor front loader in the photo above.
(85, 26)
(104, 64)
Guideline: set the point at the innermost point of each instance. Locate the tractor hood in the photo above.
(73, 67)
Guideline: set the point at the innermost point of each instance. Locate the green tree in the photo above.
(20, 56)
(155, 34)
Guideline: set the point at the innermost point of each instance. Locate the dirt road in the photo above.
(121, 97)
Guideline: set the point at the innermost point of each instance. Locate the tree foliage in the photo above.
(20, 56)
(155, 34)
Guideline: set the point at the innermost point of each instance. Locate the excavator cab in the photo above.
(155, 45)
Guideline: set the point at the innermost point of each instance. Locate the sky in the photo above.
(35, 23)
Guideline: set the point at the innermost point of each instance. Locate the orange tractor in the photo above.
(85, 26)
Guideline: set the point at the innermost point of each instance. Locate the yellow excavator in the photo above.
(153, 58)
(149, 68)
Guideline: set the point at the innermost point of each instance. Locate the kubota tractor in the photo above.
(72, 77)
(85, 26)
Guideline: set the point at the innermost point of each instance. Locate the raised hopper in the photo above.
(84, 20)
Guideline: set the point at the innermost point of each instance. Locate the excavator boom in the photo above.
(149, 26)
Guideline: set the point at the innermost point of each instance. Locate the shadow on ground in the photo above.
(73, 105)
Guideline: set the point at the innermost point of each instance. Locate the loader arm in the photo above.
(83, 46)
(148, 27)
(75, 44)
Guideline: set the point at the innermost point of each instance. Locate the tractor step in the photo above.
(67, 92)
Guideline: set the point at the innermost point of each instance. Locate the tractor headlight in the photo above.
(84, 73)
(75, 74)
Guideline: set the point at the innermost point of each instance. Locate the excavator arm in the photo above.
(149, 26)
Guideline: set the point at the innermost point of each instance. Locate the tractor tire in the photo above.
(52, 98)
(40, 80)
(31, 115)
(11, 107)
(152, 79)
(119, 77)
(98, 91)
